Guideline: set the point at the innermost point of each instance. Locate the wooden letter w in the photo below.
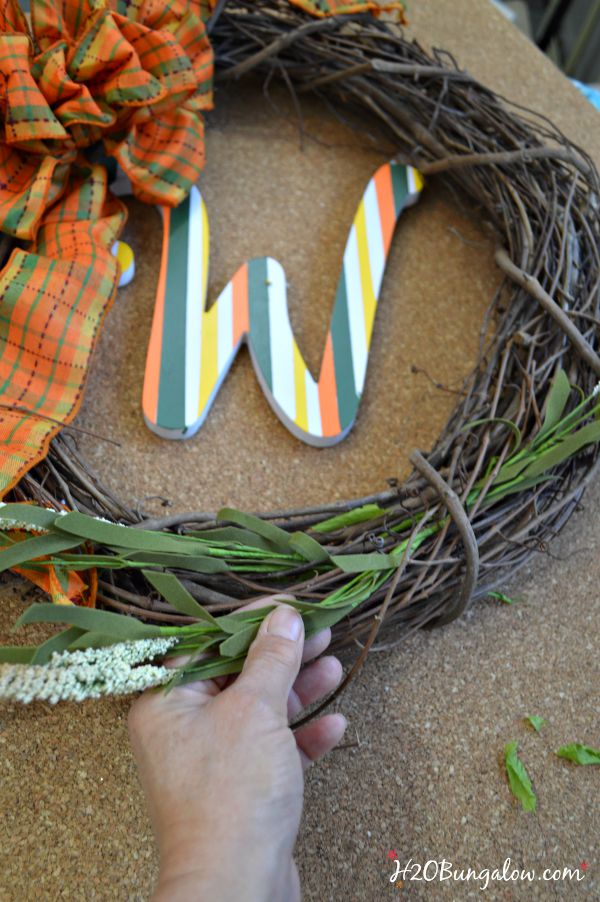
(191, 348)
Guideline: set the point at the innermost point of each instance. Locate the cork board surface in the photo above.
(432, 716)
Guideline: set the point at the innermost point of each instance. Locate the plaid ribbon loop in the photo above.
(100, 70)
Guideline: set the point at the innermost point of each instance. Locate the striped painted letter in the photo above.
(191, 349)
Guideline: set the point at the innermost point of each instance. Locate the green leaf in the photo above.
(315, 614)
(207, 670)
(93, 640)
(320, 620)
(233, 535)
(87, 561)
(197, 563)
(568, 447)
(59, 642)
(273, 534)
(17, 654)
(397, 553)
(502, 597)
(556, 401)
(511, 469)
(359, 515)
(127, 537)
(178, 596)
(117, 625)
(308, 548)
(357, 590)
(518, 485)
(239, 642)
(193, 646)
(579, 754)
(361, 563)
(38, 546)
(62, 577)
(232, 623)
(518, 778)
(29, 514)
(536, 722)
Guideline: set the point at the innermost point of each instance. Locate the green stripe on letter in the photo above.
(400, 187)
(258, 303)
(171, 393)
(342, 357)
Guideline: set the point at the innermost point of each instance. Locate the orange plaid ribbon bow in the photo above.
(134, 77)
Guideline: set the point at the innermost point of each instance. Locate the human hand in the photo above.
(222, 771)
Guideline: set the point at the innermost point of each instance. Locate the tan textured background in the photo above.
(432, 717)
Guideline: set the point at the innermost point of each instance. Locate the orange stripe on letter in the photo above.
(330, 417)
(241, 320)
(153, 361)
(385, 200)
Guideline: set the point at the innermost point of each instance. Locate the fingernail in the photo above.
(285, 622)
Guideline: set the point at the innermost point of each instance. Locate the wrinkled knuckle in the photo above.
(281, 652)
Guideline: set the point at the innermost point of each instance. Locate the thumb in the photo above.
(274, 658)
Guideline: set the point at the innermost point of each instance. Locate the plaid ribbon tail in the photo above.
(53, 300)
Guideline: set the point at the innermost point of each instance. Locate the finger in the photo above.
(274, 658)
(319, 737)
(313, 682)
(313, 647)
(316, 645)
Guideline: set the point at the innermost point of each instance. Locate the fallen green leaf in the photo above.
(500, 596)
(536, 722)
(518, 778)
(579, 754)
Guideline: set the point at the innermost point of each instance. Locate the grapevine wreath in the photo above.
(505, 475)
